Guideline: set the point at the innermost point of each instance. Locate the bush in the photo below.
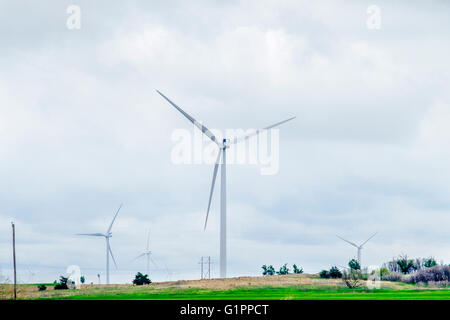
(82, 279)
(297, 270)
(324, 274)
(141, 279)
(352, 279)
(384, 272)
(393, 276)
(434, 274)
(62, 284)
(42, 287)
(283, 270)
(335, 273)
(268, 270)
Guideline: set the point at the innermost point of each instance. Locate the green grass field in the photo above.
(267, 293)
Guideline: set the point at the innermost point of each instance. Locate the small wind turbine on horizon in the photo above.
(360, 247)
(222, 145)
(147, 253)
(106, 235)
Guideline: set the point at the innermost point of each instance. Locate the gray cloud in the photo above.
(82, 130)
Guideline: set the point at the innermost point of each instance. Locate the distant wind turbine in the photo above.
(106, 235)
(147, 253)
(31, 275)
(223, 145)
(360, 247)
(169, 272)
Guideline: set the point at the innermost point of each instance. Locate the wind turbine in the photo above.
(360, 247)
(31, 275)
(106, 235)
(223, 145)
(147, 253)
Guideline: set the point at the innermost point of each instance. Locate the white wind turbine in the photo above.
(147, 253)
(106, 235)
(360, 247)
(223, 145)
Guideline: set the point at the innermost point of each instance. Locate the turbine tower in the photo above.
(360, 247)
(223, 145)
(106, 235)
(147, 253)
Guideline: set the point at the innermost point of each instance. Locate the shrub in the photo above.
(434, 274)
(283, 270)
(324, 274)
(82, 279)
(62, 284)
(42, 287)
(430, 262)
(297, 270)
(352, 278)
(393, 276)
(335, 273)
(354, 265)
(141, 279)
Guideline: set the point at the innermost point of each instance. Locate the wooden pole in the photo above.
(14, 259)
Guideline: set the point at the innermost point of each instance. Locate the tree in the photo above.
(265, 270)
(405, 264)
(268, 270)
(82, 279)
(297, 270)
(283, 270)
(354, 265)
(335, 273)
(62, 284)
(141, 279)
(430, 262)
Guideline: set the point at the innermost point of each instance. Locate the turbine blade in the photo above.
(141, 255)
(148, 240)
(347, 241)
(112, 256)
(216, 167)
(90, 234)
(154, 263)
(204, 129)
(369, 239)
(242, 138)
(112, 222)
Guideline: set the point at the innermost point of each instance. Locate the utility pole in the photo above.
(14, 259)
(207, 274)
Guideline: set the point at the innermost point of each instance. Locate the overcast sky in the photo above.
(83, 130)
